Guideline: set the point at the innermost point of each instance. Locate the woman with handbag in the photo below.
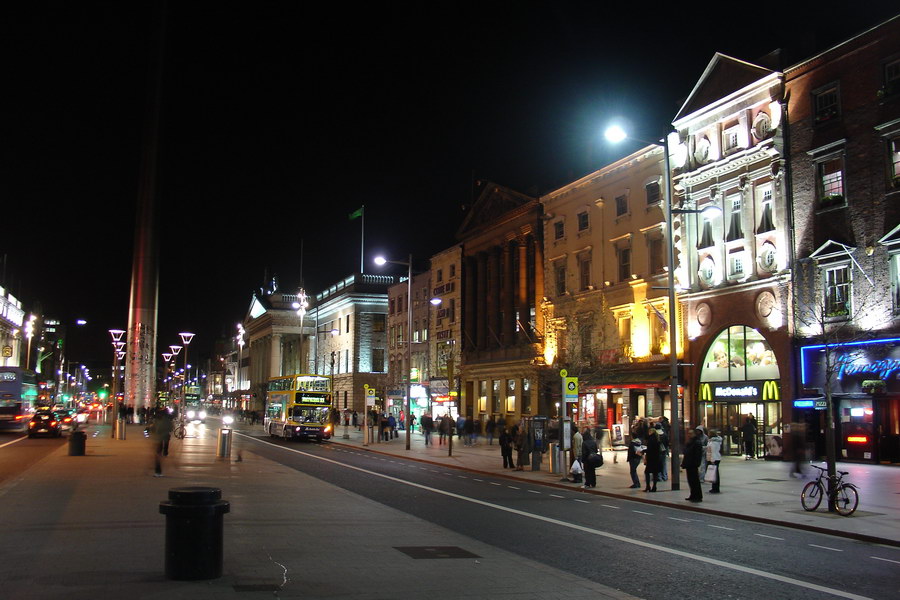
(651, 460)
(590, 459)
(714, 459)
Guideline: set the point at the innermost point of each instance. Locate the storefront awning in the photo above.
(651, 378)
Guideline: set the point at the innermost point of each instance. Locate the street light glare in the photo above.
(615, 134)
(380, 261)
(435, 301)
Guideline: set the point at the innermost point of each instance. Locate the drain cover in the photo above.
(435, 552)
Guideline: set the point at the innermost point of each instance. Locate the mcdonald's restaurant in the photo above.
(740, 382)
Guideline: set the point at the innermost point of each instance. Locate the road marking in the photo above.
(641, 512)
(12, 442)
(462, 476)
(512, 487)
(682, 520)
(582, 501)
(493, 483)
(610, 506)
(896, 562)
(556, 496)
(476, 479)
(721, 527)
(771, 537)
(825, 548)
(581, 528)
(533, 492)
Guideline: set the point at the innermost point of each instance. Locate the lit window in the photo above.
(730, 138)
(895, 281)
(894, 162)
(736, 264)
(837, 292)
(830, 178)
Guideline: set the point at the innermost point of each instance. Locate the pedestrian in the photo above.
(460, 428)
(427, 424)
(714, 458)
(412, 422)
(748, 431)
(445, 428)
(797, 442)
(663, 451)
(577, 442)
(690, 463)
(506, 448)
(522, 447)
(355, 419)
(392, 427)
(704, 440)
(590, 459)
(651, 460)
(161, 432)
(634, 457)
(490, 427)
(470, 431)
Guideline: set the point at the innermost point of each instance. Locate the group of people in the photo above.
(649, 446)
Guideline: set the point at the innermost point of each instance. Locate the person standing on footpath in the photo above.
(748, 431)
(651, 460)
(470, 431)
(161, 432)
(577, 444)
(506, 448)
(663, 452)
(490, 427)
(714, 457)
(704, 440)
(520, 439)
(690, 463)
(634, 456)
(589, 458)
(427, 428)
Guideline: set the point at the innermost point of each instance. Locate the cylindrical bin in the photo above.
(120, 429)
(554, 458)
(223, 448)
(77, 440)
(194, 533)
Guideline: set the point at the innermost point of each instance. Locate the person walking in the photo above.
(690, 463)
(490, 427)
(634, 457)
(355, 421)
(412, 423)
(651, 460)
(577, 444)
(391, 427)
(427, 424)
(470, 431)
(663, 451)
(506, 448)
(714, 457)
(161, 432)
(445, 428)
(748, 431)
(590, 458)
(704, 440)
(520, 439)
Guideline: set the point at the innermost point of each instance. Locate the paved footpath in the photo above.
(89, 527)
(757, 490)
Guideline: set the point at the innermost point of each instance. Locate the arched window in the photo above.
(739, 353)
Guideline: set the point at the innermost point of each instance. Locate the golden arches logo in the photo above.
(770, 391)
(705, 393)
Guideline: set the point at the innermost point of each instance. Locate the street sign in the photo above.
(570, 387)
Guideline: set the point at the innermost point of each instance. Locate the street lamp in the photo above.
(380, 261)
(29, 333)
(300, 306)
(616, 134)
(118, 344)
(240, 343)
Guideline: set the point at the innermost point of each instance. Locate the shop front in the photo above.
(620, 397)
(865, 391)
(740, 393)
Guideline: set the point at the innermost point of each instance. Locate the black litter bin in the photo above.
(77, 441)
(194, 533)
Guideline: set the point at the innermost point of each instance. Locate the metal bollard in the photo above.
(120, 429)
(194, 533)
(223, 447)
(77, 441)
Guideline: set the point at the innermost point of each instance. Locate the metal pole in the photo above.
(674, 442)
(409, 322)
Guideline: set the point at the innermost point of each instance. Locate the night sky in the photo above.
(281, 118)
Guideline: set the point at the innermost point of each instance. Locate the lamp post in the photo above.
(29, 334)
(380, 260)
(186, 340)
(118, 344)
(240, 343)
(301, 306)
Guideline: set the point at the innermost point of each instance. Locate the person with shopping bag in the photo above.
(713, 461)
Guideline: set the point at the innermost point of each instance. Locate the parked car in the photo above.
(44, 422)
(67, 420)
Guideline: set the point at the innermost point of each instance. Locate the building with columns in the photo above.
(503, 370)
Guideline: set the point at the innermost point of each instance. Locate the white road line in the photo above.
(582, 501)
(610, 506)
(682, 520)
(533, 492)
(12, 442)
(896, 562)
(771, 537)
(462, 476)
(512, 487)
(476, 479)
(721, 527)
(493, 483)
(556, 496)
(581, 528)
(825, 548)
(641, 512)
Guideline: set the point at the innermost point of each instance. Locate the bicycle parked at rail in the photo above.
(846, 496)
(179, 429)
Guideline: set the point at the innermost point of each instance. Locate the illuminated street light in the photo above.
(186, 340)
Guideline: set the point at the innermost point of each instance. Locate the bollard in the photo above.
(194, 533)
(120, 429)
(77, 441)
(554, 458)
(223, 447)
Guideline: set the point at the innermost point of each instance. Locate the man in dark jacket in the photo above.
(690, 463)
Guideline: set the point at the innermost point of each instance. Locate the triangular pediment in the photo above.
(892, 239)
(493, 202)
(832, 250)
(723, 76)
(257, 308)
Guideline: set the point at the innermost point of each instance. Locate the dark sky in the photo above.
(281, 118)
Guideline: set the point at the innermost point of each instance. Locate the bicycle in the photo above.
(179, 430)
(846, 496)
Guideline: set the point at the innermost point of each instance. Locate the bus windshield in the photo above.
(309, 414)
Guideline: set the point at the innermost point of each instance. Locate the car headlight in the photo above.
(202, 414)
(191, 414)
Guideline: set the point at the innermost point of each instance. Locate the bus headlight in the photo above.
(202, 414)
(228, 420)
(191, 414)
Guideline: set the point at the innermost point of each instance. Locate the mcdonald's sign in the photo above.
(740, 391)
(705, 392)
(770, 391)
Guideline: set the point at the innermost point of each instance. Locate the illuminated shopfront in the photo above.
(740, 380)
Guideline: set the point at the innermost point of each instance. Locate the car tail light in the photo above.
(19, 417)
(31, 424)
(53, 422)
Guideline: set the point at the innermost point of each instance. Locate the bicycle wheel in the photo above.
(846, 499)
(179, 432)
(811, 496)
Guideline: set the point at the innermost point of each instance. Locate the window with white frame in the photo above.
(764, 197)
(894, 162)
(826, 103)
(583, 221)
(837, 291)
(830, 182)
(731, 137)
(736, 263)
(895, 281)
(735, 230)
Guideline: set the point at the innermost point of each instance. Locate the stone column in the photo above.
(275, 356)
(469, 303)
(522, 296)
(538, 292)
(509, 296)
(493, 298)
(481, 302)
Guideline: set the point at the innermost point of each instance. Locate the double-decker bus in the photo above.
(18, 397)
(297, 406)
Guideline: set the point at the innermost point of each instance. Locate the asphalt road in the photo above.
(18, 452)
(648, 551)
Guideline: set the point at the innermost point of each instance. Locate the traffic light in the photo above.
(103, 394)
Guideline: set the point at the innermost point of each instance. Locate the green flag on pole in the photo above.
(356, 214)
